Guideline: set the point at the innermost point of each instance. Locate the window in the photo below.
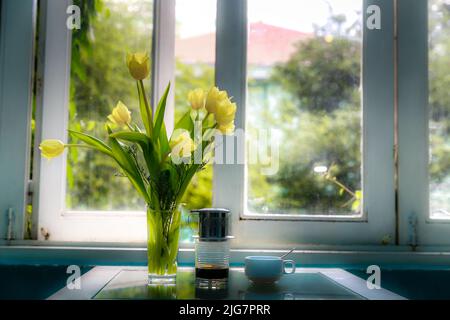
(423, 122)
(350, 136)
(439, 108)
(304, 81)
(269, 101)
(98, 80)
(90, 77)
(80, 198)
(195, 54)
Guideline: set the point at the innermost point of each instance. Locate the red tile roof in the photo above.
(267, 45)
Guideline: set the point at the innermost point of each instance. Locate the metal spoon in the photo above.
(286, 254)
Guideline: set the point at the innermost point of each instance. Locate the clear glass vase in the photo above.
(163, 231)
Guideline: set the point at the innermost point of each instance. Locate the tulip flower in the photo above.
(139, 65)
(51, 148)
(197, 99)
(181, 144)
(215, 96)
(120, 115)
(225, 112)
(227, 129)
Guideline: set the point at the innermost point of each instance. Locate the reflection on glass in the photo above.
(439, 107)
(132, 284)
(98, 80)
(304, 72)
(194, 58)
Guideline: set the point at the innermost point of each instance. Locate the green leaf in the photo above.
(146, 144)
(92, 141)
(144, 108)
(174, 177)
(185, 122)
(187, 179)
(160, 110)
(125, 161)
(131, 136)
(163, 141)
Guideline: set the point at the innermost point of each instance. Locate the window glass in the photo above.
(98, 80)
(439, 107)
(195, 42)
(304, 80)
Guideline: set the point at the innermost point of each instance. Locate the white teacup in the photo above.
(267, 269)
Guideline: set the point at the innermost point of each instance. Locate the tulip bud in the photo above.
(139, 65)
(51, 148)
(120, 115)
(197, 99)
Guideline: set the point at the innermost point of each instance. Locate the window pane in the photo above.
(99, 79)
(195, 57)
(439, 102)
(304, 73)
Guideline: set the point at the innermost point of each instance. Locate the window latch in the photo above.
(10, 232)
(412, 231)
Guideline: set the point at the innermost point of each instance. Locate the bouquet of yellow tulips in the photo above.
(159, 168)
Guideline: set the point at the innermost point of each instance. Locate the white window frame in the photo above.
(53, 218)
(416, 225)
(378, 216)
(268, 231)
(379, 95)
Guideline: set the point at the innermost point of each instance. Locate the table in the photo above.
(305, 284)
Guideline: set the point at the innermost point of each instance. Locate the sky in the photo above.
(195, 17)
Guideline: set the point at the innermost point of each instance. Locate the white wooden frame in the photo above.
(416, 225)
(63, 225)
(378, 218)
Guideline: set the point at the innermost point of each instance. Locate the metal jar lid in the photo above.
(212, 223)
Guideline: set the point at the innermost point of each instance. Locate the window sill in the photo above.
(49, 253)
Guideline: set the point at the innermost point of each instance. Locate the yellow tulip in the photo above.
(215, 96)
(51, 148)
(225, 112)
(227, 129)
(181, 144)
(120, 115)
(139, 65)
(197, 99)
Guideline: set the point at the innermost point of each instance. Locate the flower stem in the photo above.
(147, 106)
(72, 145)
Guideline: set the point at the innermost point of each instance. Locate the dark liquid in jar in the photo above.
(211, 273)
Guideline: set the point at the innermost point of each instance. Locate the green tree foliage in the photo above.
(322, 75)
(318, 113)
(99, 79)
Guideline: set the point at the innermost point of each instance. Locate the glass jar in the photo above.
(212, 258)
(212, 246)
